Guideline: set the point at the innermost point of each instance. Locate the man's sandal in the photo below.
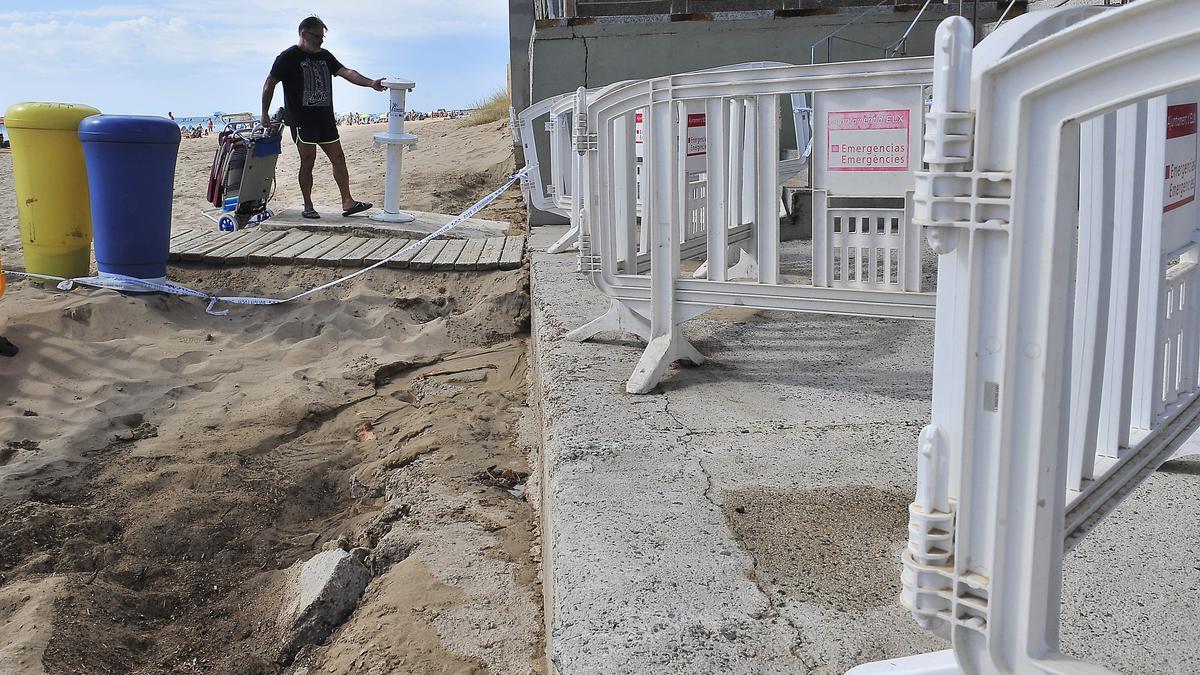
(310, 213)
(358, 207)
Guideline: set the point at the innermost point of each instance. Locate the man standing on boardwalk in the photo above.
(306, 71)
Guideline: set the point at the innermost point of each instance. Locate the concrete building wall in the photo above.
(520, 32)
(568, 53)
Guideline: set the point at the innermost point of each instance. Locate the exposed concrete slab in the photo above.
(748, 516)
(361, 224)
(320, 593)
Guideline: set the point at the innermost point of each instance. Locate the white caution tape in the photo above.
(123, 283)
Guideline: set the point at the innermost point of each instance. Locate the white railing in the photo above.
(1179, 349)
(716, 9)
(569, 9)
(867, 249)
(1067, 265)
(870, 110)
(548, 9)
(556, 127)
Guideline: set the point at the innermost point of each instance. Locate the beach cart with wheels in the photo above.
(242, 179)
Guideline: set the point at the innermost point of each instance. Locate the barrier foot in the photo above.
(689, 353)
(617, 318)
(660, 353)
(746, 267)
(933, 663)
(567, 242)
(1191, 446)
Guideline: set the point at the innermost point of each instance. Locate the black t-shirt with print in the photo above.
(307, 85)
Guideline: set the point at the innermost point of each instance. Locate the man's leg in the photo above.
(308, 157)
(341, 175)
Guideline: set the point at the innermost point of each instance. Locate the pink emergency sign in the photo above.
(868, 140)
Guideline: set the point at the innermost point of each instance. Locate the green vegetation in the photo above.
(494, 107)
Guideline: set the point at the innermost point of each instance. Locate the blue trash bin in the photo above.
(131, 180)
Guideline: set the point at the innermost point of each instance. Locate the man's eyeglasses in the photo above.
(319, 36)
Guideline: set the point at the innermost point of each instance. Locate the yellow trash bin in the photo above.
(52, 188)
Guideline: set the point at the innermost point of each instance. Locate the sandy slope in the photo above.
(160, 468)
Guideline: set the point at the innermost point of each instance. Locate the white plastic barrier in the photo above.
(1071, 127)
(555, 196)
(537, 192)
(741, 168)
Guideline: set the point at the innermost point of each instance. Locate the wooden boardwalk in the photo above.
(335, 250)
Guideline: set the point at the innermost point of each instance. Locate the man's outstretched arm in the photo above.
(268, 93)
(361, 80)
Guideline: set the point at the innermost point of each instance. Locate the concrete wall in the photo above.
(520, 31)
(568, 53)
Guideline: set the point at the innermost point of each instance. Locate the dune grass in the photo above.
(492, 108)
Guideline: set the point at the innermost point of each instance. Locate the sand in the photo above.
(161, 468)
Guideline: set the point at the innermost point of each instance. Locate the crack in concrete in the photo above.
(685, 437)
(772, 610)
(585, 61)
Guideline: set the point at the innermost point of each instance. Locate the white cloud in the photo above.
(173, 32)
(132, 56)
(110, 10)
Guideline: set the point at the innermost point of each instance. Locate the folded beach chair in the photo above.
(242, 179)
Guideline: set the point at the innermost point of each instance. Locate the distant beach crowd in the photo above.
(199, 127)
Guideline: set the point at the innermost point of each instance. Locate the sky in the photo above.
(194, 58)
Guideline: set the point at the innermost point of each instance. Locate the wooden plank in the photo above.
(318, 250)
(182, 241)
(470, 255)
(238, 254)
(206, 244)
(403, 260)
(386, 251)
(334, 257)
(489, 259)
(450, 252)
(208, 235)
(263, 255)
(424, 259)
(242, 255)
(358, 257)
(512, 256)
(288, 255)
(184, 236)
(232, 242)
(177, 250)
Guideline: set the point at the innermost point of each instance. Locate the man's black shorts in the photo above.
(316, 134)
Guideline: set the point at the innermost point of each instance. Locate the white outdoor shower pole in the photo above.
(395, 139)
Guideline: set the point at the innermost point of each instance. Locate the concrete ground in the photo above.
(747, 516)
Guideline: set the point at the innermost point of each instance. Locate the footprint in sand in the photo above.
(296, 331)
(178, 363)
(192, 390)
